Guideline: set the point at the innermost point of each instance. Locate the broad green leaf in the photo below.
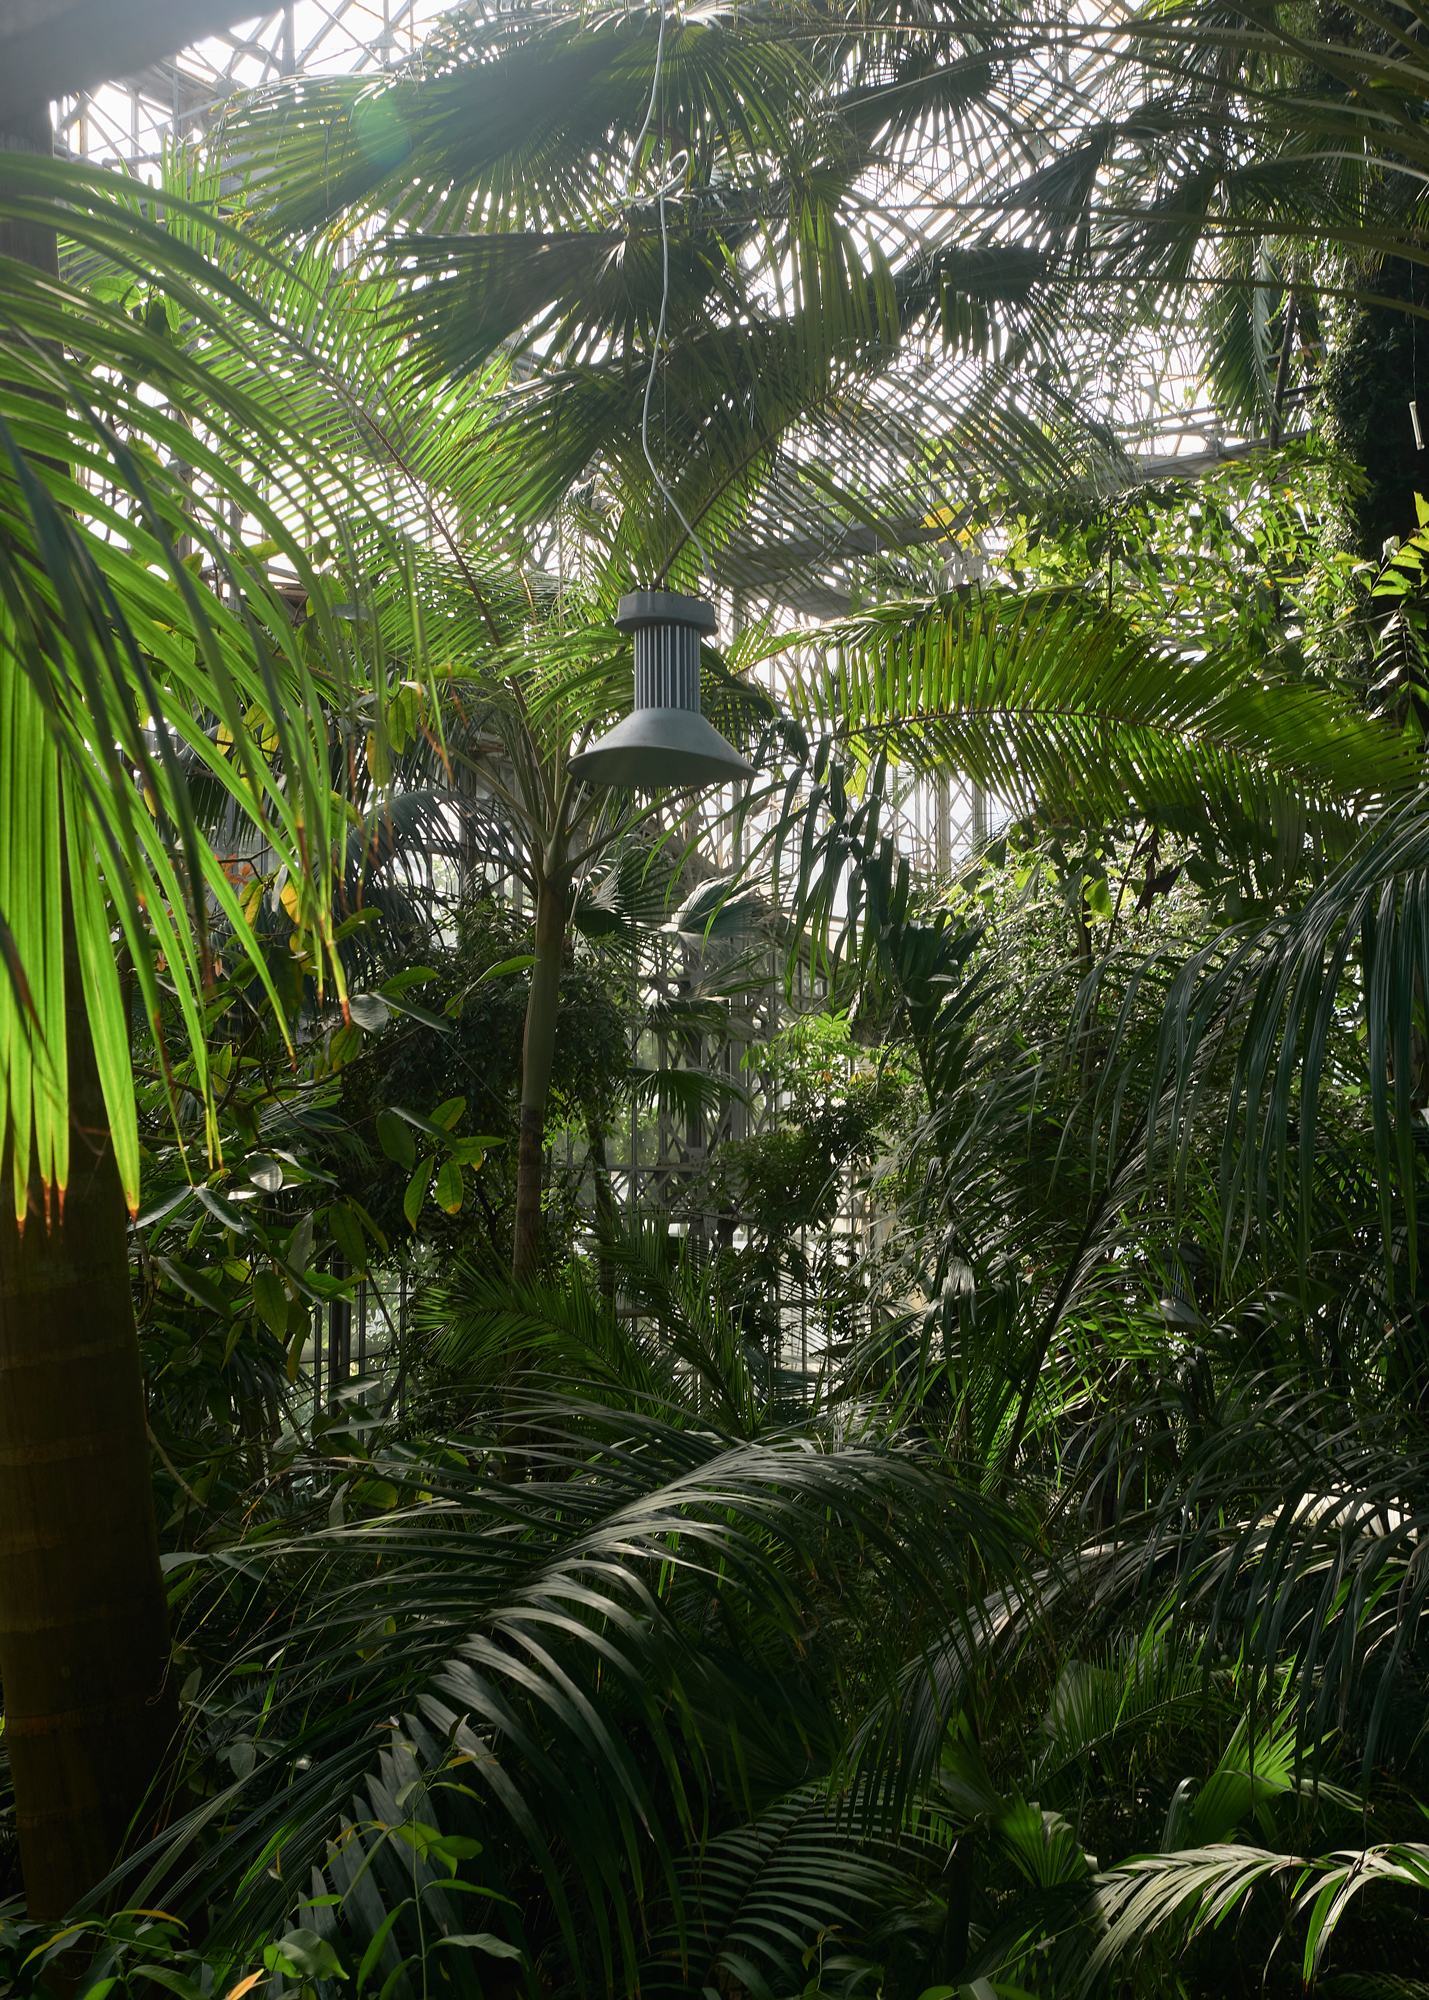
(271, 1298)
(348, 1235)
(304, 1952)
(369, 1010)
(395, 1138)
(483, 1941)
(197, 1284)
(416, 1192)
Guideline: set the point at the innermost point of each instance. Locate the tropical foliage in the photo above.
(934, 1504)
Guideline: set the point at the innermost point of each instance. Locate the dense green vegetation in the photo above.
(1048, 1619)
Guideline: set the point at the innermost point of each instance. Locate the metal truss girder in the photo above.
(53, 47)
(149, 93)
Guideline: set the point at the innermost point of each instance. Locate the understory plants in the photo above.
(896, 1460)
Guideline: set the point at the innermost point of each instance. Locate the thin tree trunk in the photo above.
(538, 1052)
(604, 1204)
(90, 1709)
(1282, 372)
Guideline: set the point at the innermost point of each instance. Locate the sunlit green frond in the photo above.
(1177, 1893)
(116, 661)
(517, 130)
(574, 288)
(1052, 703)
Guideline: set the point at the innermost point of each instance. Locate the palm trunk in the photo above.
(537, 1055)
(84, 1645)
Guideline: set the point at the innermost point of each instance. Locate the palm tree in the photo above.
(1099, 722)
(789, 326)
(1274, 1003)
(517, 667)
(1054, 702)
(759, 393)
(116, 667)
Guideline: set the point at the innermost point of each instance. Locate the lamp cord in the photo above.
(1414, 362)
(669, 182)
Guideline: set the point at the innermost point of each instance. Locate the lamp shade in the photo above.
(664, 741)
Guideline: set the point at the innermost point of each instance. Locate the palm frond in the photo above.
(1277, 998)
(554, 1632)
(107, 632)
(1053, 703)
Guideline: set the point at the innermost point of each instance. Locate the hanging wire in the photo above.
(1414, 363)
(672, 174)
(665, 371)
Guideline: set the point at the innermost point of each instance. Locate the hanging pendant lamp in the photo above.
(665, 741)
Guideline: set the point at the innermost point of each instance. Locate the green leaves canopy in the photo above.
(514, 178)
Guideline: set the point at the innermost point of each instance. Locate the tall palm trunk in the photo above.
(89, 1708)
(84, 1644)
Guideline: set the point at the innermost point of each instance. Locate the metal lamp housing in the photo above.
(664, 741)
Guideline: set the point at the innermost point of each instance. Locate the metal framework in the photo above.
(130, 121)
